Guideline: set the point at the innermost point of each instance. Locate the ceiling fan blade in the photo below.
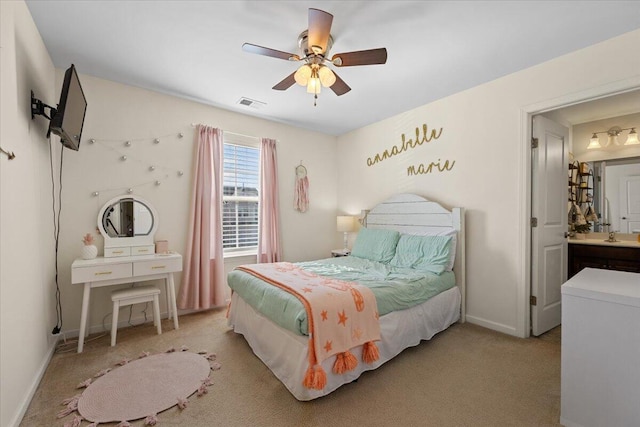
(286, 83)
(319, 30)
(361, 57)
(340, 87)
(252, 48)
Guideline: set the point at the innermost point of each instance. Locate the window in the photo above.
(240, 198)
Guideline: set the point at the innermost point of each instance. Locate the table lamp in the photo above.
(345, 224)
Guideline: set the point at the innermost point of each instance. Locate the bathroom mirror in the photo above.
(128, 225)
(616, 194)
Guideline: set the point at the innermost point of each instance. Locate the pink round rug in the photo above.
(143, 387)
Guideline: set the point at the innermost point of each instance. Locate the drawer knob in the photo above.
(157, 267)
(102, 273)
(117, 252)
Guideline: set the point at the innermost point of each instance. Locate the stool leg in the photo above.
(156, 313)
(114, 322)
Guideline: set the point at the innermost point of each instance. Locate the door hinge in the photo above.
(534, 222)
(534, 142)
(533, 300)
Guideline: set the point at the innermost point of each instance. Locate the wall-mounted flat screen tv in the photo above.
(68, 120)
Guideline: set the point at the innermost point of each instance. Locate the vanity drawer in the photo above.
(157, 266)
(143, 250)
(117, 251)
(101, 272)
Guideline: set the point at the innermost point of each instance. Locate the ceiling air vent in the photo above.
(251, 103)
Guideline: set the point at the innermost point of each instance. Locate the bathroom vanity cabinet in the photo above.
(622, 256)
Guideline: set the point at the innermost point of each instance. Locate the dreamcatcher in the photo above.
(301, 192)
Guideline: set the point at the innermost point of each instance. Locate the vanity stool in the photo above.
(131, 296)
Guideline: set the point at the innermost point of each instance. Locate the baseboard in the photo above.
(24, 405)
(505, 329)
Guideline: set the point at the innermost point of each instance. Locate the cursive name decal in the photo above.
(406, 144)
(423, 169)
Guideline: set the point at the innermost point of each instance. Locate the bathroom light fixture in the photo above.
(612, 138)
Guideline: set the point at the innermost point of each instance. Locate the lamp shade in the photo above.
(345, 224)
(632, 139)
(594, 143)
(302, 75)
(327, 78)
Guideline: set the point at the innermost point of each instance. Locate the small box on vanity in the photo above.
(162, 246)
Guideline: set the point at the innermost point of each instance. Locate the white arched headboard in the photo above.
(413, 214)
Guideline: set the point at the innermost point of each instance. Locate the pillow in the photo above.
(429, 253)
(454, 242)
(375, 245)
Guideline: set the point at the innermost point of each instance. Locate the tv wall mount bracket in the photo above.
(37, 108)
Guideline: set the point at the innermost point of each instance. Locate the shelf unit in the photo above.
(580, 186)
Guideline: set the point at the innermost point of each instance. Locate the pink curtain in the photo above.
(203, 281)
(269, 246)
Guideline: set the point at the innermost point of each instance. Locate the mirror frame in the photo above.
(118, 242)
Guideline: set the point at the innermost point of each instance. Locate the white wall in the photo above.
(483, 134)
(117, 113)
(27, 290)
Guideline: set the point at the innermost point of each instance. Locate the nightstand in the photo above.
(340, 252)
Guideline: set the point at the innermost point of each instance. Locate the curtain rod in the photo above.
(232, 133)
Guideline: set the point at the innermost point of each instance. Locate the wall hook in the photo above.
(10, 155)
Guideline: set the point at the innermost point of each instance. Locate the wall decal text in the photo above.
(423, 169)
(406, 144)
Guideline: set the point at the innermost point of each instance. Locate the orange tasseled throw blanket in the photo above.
(341, 315)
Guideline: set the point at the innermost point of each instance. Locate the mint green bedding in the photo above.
(395, 288)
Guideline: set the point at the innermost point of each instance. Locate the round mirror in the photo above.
(128, 225)
(127, 217)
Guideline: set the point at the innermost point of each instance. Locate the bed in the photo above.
(283, 345)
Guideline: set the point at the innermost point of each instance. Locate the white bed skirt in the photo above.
(285, 353)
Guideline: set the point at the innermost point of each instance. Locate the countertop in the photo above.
(601, 239)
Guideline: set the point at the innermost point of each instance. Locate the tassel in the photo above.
(215, 366)
(123, 424)
(71, 399)
(184, 348)
(123, 362)
(151, 420)
(315, 378)
(203, 352)
(202, 390)
(76, 422)
(72, 406)
(350, 360)
(144, 354)
(182, 403)
(84, 383)
(207, 381)
(211, 356)
(103, 372)
(339, 366)
(171, 350)
(370, 352)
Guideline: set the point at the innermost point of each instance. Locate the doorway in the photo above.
(595, 105)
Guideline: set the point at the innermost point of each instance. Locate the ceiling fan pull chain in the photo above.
(315, 97)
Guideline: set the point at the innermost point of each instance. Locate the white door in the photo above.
(549, 200)
(630, 204)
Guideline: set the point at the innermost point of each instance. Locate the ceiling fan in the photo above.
(315, 44)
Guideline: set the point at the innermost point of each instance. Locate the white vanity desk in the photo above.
(98, 272)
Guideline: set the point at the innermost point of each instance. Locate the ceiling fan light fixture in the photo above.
(327, 77)
(302, 75)
(314, 86)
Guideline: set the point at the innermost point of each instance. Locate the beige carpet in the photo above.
(465, 376)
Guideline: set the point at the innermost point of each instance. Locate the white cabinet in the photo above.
(600, 384)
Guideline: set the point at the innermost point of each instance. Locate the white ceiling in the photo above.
(192, 49)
